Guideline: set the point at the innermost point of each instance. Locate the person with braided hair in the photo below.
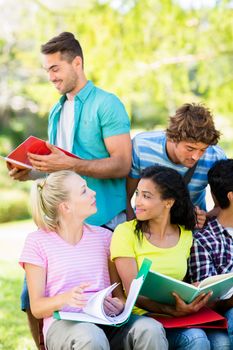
(162, 232)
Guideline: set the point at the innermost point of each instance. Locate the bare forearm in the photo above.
(180, 308)
(101, 168)
(117, 165)
(114, 277)
(155, 307)
(44, 307)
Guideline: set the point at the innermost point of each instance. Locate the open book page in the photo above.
(131, 299)
(95, 305)
(159, 287)
(218, 286)
(213, 279)
(228, 294)
(95, 309)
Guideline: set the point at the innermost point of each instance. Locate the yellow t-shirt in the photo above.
(169, 261)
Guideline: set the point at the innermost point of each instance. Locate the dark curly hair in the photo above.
(220, 178)
(66, 44)
(193, 122)
(171, 186)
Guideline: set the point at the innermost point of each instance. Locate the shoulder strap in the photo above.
(189, 173)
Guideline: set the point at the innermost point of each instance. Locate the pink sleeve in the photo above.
(32, 251)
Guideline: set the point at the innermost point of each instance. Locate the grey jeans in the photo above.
(140, 333)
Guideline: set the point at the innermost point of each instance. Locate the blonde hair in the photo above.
(46, 195)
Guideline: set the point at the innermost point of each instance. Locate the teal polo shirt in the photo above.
(98, 115)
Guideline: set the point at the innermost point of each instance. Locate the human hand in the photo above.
(19, 174)
(76, 297)
(55, 161)
(200, 217)
(182, 309)
(113, 306)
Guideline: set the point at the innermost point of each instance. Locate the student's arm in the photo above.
(42, 306)
(131, 185)
(115, 304)
(127, 269)
(117, 165)
(114, 277)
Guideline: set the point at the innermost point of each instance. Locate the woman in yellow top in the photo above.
(162, 232)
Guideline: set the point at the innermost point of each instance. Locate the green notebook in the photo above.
(159, 287)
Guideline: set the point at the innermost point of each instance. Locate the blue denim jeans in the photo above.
(187, 339)
(198, 339)
(25, 304)
(219, 339)
(229, 317)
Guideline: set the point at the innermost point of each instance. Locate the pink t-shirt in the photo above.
(69, 265)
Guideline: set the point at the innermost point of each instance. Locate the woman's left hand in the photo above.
(113, 306)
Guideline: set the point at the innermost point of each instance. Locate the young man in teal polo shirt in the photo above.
(91, 123)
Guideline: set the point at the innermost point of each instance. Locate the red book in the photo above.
(18, 157)
(204, 318)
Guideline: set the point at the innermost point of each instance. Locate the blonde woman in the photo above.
(66, 261)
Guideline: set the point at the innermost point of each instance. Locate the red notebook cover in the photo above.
(204, 318)
(18, 157)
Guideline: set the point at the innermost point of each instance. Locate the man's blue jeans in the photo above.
(198, 339)
(229, 317)
(188, 339)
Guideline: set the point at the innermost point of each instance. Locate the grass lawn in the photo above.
(14, 331)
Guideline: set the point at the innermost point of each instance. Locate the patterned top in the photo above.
(211, 253)
(149, 148)
(67, 265)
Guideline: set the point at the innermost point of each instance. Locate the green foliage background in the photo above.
(154, 54)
